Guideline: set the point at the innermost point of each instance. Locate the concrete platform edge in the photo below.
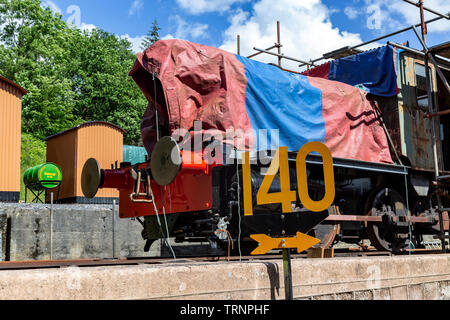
(394, 278)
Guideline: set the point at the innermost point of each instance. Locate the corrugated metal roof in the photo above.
(442, 49)
(24, 92)
(85, 125)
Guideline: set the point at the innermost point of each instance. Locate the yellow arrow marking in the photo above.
(302, 242)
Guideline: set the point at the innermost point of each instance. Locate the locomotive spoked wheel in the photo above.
(387, 203)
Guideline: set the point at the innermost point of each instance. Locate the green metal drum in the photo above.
(44, 176)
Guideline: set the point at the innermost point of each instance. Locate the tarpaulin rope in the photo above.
(156, 107)
(166, 238)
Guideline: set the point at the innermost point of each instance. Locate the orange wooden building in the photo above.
(10, 139)
(70, 150)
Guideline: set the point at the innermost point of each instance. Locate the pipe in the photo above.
(379, 38)
(439, 72)
(282, 56)
(428, 9)
(114, 229)
(238, 45)
(51, 226)
(438, 114)
(115, 179)
(270, 48)
(420, 53)
(279, 41)
(424, 46)
(422, 19)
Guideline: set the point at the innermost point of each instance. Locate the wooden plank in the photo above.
(320, 253)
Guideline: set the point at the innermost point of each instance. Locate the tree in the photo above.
(99, 71)
(32, 55)
(32, 154)
(152, 36)
(72, 76)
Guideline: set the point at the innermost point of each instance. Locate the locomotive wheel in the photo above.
(384, 202)
(326, 233)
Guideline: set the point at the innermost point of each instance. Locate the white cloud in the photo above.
(203, 6)
(136, 7)
(306, 30)
(410, 14)
(168, 37)
(52, 6)
(351, 13)
(187, 30)
(74, 18)
(88, 27)
(135, 42)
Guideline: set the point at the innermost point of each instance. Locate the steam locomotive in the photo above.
(222, 133)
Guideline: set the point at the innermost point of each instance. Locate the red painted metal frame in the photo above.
(191, 191)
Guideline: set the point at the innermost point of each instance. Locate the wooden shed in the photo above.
(70, 150)
(10, 139)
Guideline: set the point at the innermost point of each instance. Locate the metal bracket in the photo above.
(137, 186)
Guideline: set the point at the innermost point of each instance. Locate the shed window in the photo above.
(421, 86)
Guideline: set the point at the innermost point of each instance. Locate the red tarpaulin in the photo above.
(225, 91)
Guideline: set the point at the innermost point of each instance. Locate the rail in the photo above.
(89, 263)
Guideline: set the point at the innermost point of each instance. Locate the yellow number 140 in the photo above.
(286, 196)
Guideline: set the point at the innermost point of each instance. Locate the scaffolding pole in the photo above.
(446, 16)
(379, 38)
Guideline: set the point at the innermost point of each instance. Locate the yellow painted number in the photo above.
(286, 196)
(247, 185)
(328, 174)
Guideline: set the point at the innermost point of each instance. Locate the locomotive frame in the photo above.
(393, 205)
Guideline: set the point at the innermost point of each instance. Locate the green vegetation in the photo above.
(33, 153)
(152, 36)
(72, 76)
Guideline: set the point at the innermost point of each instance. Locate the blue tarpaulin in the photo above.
(372, 71)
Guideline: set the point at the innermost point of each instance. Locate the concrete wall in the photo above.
(79, 231)
(423, 277)
(3, 229)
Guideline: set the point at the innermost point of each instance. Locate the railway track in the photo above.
(85, 263)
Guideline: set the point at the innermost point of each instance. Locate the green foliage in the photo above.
(72, 76)
(33, 153)
(99, 72)
(152, 36)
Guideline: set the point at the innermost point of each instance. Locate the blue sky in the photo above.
(309, 27)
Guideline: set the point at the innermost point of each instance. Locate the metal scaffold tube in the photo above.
(446, 16)
(379, 38)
